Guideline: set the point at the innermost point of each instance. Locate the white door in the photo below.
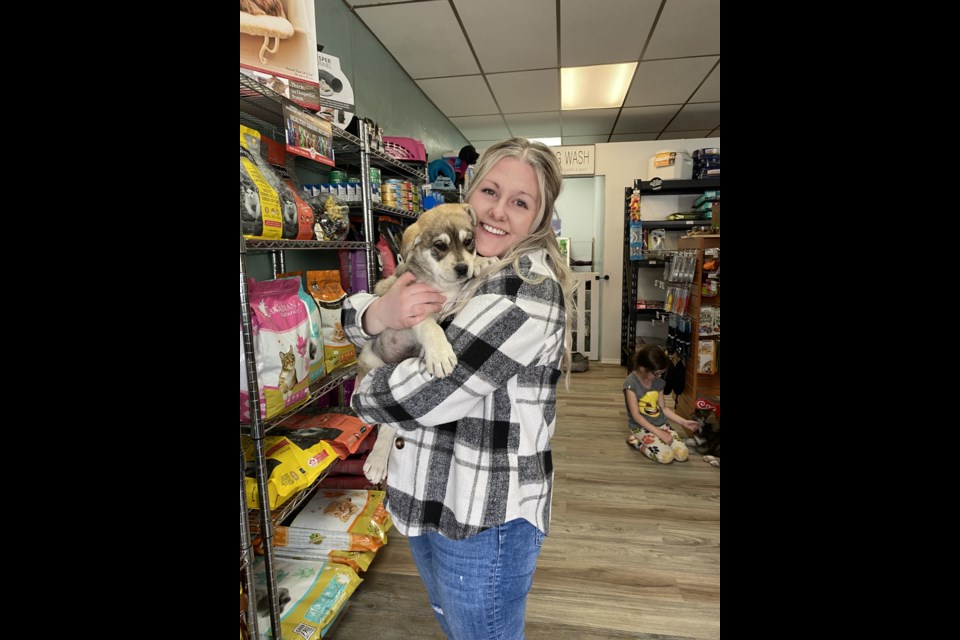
(586, 324)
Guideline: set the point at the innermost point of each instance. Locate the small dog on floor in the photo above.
(440, 249)
(707, 439)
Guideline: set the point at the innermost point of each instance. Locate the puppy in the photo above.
(707, 438)
(440, 249)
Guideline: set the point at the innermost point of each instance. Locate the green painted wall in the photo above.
(382, 90)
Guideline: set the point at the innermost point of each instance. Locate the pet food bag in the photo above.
(293, 463)
(325, 288)
(281, 329)
(315, 352)
(260, 209)
(335, 520)
(311, 595)
(344, 433)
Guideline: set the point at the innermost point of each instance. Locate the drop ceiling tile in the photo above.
(362, 3)
(508, 35)
(683, 135)
(705, 115)
(715, 133)
(668, 81)
(604, 31)
(575, 140)
(633, 137)
(526, 91)
(460, 96)
(481, 145)
(645, 119)
(710, 90)
(482, 127)
(588, 122)
(534, 125)
(686, 28)
(443, 53)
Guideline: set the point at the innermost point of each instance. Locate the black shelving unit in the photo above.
(631, 268)
(677, 187)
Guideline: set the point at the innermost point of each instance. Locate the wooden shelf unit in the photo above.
(698, 384)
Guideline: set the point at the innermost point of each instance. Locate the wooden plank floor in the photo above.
(633, 552)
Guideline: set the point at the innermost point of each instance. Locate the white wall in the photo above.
(621, 163)
(580, 218)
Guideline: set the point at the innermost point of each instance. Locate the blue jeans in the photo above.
(478, 586)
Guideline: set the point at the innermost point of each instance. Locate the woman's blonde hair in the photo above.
(550, 180)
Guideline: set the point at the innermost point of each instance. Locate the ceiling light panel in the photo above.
(598, 87)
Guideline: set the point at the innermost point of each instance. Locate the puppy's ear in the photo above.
(471, 213)
(411, 238)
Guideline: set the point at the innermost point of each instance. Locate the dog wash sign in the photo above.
(576, 161)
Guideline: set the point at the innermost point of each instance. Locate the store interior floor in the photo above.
(633, 552)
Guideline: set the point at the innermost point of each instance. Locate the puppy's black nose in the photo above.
(461, 270)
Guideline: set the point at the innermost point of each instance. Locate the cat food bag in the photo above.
(281, 338)
(293, 463)
(344, 433)
(315, 352)
(277, 157)
(260, 208)
(311, 596)
(325, 288)
(356, 560)
(335, 520)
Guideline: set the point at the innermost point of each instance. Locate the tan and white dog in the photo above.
(440, 249)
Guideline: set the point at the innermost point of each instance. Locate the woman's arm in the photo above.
(495, 337)
(405, 304)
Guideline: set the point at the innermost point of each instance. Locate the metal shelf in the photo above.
(318, 389)
(282, 512)
(267, 245)
(676, 224)
(678, 187)
(262, 108)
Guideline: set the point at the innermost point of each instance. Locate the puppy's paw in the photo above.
(690, 442)
(375, 468)
(480, 263)
(440, 361)
(712, 461)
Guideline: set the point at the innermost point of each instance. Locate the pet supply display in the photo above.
(295, 460)
(311, 595)
(325, 288)
(281, 330)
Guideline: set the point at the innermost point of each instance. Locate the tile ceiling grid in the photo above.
(493, 66)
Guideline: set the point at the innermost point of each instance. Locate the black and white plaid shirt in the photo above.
(476, 450)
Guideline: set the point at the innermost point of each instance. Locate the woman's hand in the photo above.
(692, 425)
(405, 304)
(666, 437)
